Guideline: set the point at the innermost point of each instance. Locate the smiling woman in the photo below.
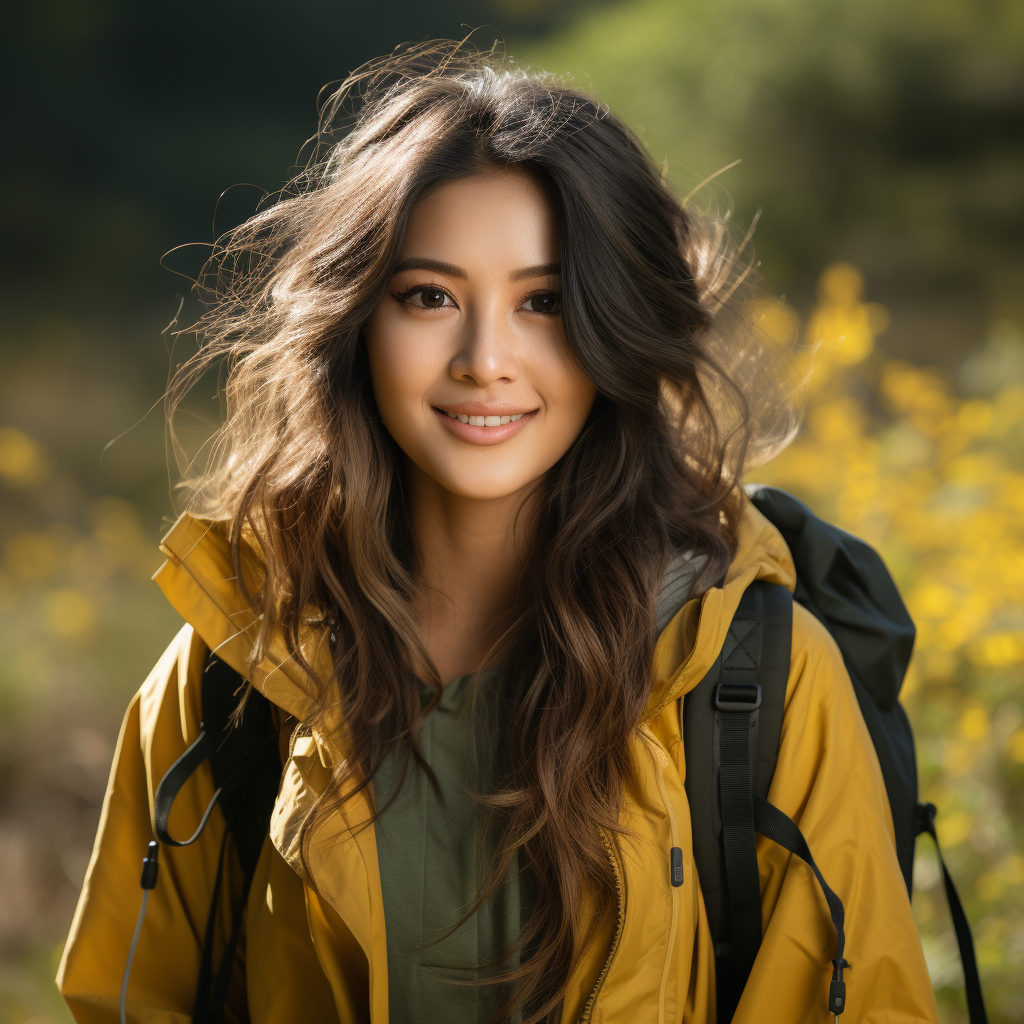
(471, 531)
(470, 336)
(473, 379)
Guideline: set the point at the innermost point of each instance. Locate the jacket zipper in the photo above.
(660, 760)
(620, 917)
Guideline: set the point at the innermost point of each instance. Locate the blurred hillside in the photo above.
(875, 136)
(888, 135)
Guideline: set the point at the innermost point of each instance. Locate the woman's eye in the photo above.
(428, 298)
(544, 302)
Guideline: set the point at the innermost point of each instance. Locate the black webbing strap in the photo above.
(972, 982)
(736, 733)
(174, 778)
(178, 774)
(773, 824)
(246, 767)
(212, 991)
(219, 994)
(199, 1012)
(732, 723)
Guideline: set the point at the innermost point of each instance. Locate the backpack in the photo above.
(731, 724)
(732, 720)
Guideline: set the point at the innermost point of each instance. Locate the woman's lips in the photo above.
(484, 435)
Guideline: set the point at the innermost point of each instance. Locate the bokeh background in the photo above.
(881, 141)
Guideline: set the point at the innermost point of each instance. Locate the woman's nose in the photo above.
(487, 349)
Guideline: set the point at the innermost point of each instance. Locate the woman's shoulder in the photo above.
(818, 673)
(170, 698)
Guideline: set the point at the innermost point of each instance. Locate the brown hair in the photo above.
(304, 466)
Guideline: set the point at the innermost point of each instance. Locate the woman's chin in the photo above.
(483, 485)
(486, 491)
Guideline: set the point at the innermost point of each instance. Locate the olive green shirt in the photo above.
(433, 853)
(433, 859)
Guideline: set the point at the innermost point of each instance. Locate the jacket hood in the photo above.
(200, 582)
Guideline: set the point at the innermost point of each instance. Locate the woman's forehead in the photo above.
(501, 217)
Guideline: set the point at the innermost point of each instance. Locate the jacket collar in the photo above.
(199, 580)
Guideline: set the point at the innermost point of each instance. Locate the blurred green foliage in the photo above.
(886, 134)
(883, 135)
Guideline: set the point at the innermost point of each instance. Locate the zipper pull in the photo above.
(837, 990)
(676, 865)
(150, 866)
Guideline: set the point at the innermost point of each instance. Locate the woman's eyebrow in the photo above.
(541, 270)
(425, 263)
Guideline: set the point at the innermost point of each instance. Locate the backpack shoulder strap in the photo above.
(731, 724)
(244, 759)
(972, 981)
(246, 766)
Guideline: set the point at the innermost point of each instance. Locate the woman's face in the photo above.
(467, 354)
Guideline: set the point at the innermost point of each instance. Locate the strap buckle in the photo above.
(737, 696)
(924, 819)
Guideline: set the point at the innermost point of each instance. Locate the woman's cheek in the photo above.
(399, 371)
(568, 395)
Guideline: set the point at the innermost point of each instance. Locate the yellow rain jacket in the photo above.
(315, 953)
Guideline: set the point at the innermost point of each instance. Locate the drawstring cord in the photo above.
(148, 883)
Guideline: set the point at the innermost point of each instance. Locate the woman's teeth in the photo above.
(484, 421)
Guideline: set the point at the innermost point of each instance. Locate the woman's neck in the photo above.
(471, 553)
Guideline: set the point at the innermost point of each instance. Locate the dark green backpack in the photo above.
(732, 722)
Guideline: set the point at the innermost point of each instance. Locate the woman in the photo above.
(488, 407)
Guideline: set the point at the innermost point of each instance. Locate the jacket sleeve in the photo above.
(162, 720)
(828, 781)
(277, 977)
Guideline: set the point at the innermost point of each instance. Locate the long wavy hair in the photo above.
(304, 472)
